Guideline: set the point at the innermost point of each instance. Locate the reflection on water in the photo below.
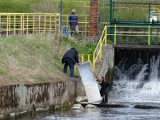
(106, 114)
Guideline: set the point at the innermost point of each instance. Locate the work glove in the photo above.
(79, 64)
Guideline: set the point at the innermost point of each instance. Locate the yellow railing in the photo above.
(133, 35)
(140, 35)
(93, 58)
(14, 23)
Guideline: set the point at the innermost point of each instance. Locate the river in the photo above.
(128, 113)
(130, 91)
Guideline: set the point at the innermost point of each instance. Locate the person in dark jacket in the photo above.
(70, 58)
(105, 87)
(73, 21)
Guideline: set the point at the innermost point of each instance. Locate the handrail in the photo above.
(146, 35)
(93, 58)
(119, 34)
(15, 23)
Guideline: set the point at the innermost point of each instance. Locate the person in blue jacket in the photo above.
(73, 22)
(70, 58)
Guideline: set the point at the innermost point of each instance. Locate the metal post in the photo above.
(85, 26)
(149, 35)
(60, 15)
(89, 57)
(14, 24)
(105, 35)
(33, 23)
(105, 10)
(45, 23)
(82, 57)
(39, 22)
(100, 48)
(94, 62)
(149, 11)
(110, 20)
(115, 39)
(7, 26)
(23, 23)
(113, 11)
(27, 23)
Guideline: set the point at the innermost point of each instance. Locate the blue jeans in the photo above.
(70, 63)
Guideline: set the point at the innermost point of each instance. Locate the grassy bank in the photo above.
(16, 5)
(121, 11)
(82, 6)
(35, 58)
(28, 6)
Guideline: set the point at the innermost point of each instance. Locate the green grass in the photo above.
(35, 58)
(86, 47)
(81, 6)
(25, 6)
(17, 6)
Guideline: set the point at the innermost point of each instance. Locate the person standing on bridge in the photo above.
(70, 58)
(73, 22)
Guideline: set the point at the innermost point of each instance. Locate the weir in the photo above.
(136, 75)
(132, 60)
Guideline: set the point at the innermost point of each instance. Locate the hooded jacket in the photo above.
(71, 54)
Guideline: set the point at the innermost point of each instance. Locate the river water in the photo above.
(125, 91)
(105, 114)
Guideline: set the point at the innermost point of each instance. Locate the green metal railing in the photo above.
(115, 34)
(140, 35)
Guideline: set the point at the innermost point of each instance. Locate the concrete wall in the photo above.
(108, 60)
(28, 97)
(18, 98)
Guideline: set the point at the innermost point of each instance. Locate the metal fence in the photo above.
(15, 23)
(126, 35)
(21, 23)
(138, 35)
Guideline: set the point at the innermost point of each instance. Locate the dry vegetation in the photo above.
(31, 58)
(36, 58)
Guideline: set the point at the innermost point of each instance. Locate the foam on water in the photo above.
(138, 89)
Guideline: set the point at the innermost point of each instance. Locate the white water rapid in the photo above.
(138, 89)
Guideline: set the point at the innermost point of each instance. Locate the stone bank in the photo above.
(15, 99)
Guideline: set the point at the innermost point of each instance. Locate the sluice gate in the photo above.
(132, 59)
(136, 77)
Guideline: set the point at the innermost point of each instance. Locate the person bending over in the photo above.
(70, 58)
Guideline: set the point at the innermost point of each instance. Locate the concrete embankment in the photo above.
(106, 69)
(22, 98)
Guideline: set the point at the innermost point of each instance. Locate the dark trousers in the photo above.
(104, 94)
(73, 29)
(70, 63)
